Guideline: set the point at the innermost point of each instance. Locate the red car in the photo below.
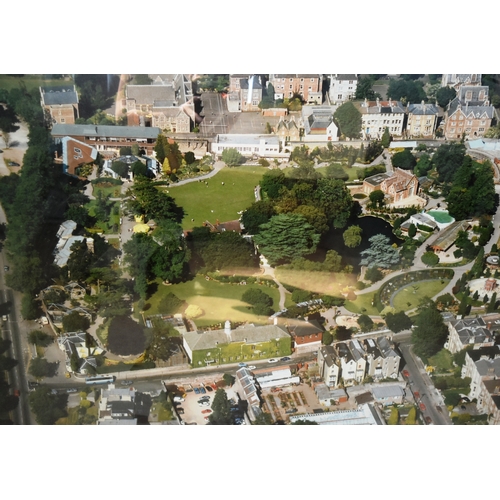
(406, 373)
(207, 411)
(417, 395)
(422, 407)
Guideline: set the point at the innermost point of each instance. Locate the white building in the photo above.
(365, 415)
(264, 146)
(342, 88)
(378, 115)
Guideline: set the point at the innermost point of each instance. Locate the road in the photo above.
(419, 381)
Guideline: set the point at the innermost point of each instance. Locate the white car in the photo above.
(252, 367)
(272, 360)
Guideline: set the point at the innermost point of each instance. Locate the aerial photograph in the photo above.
(250, 249)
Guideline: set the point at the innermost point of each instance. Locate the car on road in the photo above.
(252, 367)
(416, 394)
(406, 373)
(126, 382)
(242, 364)
(422, 407)
(272, 360)
(17, 393)
(428, 420)
(285, 358)
(207, 411)
(439, 409)
(32, 385)
(5, 317)
(6, 268)
(72, 389)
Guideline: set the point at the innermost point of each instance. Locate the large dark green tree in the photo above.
(398, 322)
(258, 213)
(47, 407)
(404, 159)
(286, 236)
(221, 409)
(430, 332)
(348, 119)
(444, 95)
(381, 253)
(447, 159)
(333, 197)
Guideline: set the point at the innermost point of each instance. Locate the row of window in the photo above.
(469, 122)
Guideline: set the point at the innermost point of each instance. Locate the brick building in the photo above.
(60, 104)
(308, 86)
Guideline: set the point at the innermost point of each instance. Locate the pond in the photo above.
(333, 240)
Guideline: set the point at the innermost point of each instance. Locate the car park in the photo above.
(272, 360)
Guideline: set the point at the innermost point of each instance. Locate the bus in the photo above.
(100, 379)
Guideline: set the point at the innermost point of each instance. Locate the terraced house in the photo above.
(378, 115)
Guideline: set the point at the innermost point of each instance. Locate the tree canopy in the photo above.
(221, 409)
(430, 332)
(404, 159)
(381, 253)
(231, 157)
(447, 159)
(348, 119)
(398, 322)
(352, 236)
(285, 237)
(444, 95)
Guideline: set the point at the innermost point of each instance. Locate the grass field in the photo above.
(217, 201)
(351, 172)
(362, 305)
(318, 282)
(408, 298)
(31, 81)
(219, 301)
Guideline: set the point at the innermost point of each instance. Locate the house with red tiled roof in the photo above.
(399, 185)
(76, 154)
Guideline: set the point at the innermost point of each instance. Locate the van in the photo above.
(178, 399)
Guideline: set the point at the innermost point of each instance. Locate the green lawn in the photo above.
(31, 82)
(352, 172)
(219, 301)
(217, 201)
(413, 297)
(362, 305)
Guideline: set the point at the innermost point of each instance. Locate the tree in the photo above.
(423, 165)
(142, 80)
(40, 338)
(139, 168)
(228, 379)
(231, 157)
(342, 333)
(430, 259)
(377, 198)
(386, 138)
(364, 89)
(446, 160)
(335, 171)
(160, 344)
(380, 254)
(272, 182)
(75, 322)
(430, 332)
(412, 230)
(255, 296)
(373, 274)
(352, 236)
(394, 416)
(125, 336)
(47, 407)
(404, 159)
(411, 419)
(302, 421)
(406, 91)
(286, 236)
(365, 323)
(335, 200)
(221, 409)
(397, 322)
(327, 338)
(170, 304)
(40, 368)
(258, 213)
(348, 119)
(444, 95)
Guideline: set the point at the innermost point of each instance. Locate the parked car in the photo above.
(5, 268)
(204, 398)
(180, 410)
(207, 411)
(242, 364)
(17, 393)
(252, 367)
(196, 390)
(202, 390)
(272, 360)
(417, 395)
(72, 389)
(285, 358)
(406, 373)
(127, 382)
(13, 164)
(428, 420)
(292, 410)
(422, 407)
(204, 403)
(208, 388)
(178, 399)
(5, 317)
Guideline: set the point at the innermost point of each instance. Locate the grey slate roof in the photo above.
(472, 331)
(345, 77)
(244, 83)
(387, 391)
(59, 95)
(423, 109)
(329, 355)
(471, 109)
(61, 130)
(376, 179)
(147, 94)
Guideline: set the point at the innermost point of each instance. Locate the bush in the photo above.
(430, 259)
(365, 322)
(255, 296)
(373, 274)
(301, 295)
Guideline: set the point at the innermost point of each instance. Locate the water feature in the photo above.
(370, 226)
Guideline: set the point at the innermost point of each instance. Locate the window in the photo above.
(461, 117)
(481, 129)
(63, 120)
(350, 82)
(291, 87)
(339, 96)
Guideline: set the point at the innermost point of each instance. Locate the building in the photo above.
(287, 130)
(307, 335)
(166, 104)
(468, 332)
(329, 366)
(342, 88)
(469, 115)
(449, 235)
(327, 396)
(366, 414)
(398, 186)
(318, 124)
(221, 346)
(378, 115)
(66, 240)
(387, 395)
(483, 367)
(108, 139)
(263, 146)
(422, 120)
(456, 81)
(309, 87)
(60, 104)
(78, 351)
(250, 94)
(117, 406)
(245, 382)
(76, 154)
